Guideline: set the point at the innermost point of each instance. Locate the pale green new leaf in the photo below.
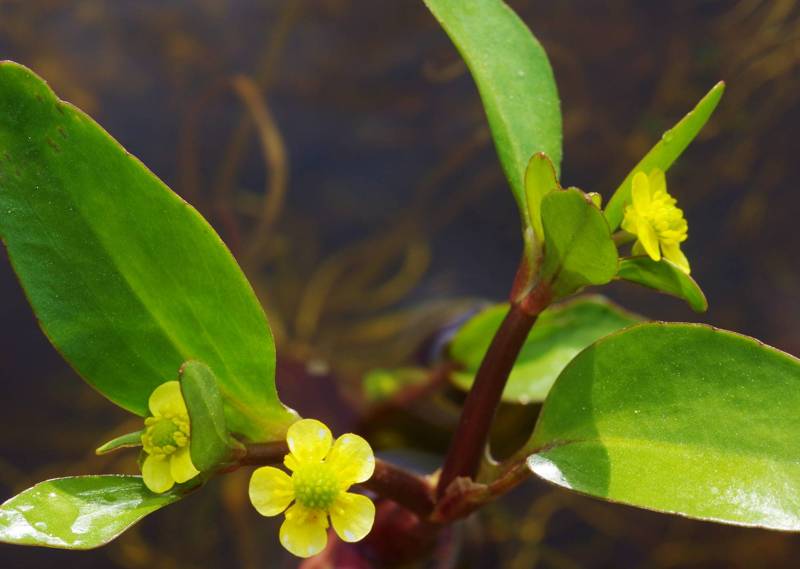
(210, 444)
(540, 180)
(82, 512)
(559, 334)
(579, 250)
(680, 418)
(127, 280)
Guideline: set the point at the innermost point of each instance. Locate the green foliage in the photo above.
(514, 79)
(127, 280)
(663, 276)
(559, 334)
(579, 250)
(210, 444)
(540, 180)
(128, 440)
(678, 418)
(381, 384)
(665, 152)
(81, 512)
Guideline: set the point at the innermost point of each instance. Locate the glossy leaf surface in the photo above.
(579, 250)
(680, 418)
(209, 444)
(559, 334)
(127, 280)
(663, 276)
(514, 79)
(81, 512)
(665, 152)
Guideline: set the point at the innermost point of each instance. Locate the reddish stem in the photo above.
(472, 433)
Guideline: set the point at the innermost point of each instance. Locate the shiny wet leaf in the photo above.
(679, 418)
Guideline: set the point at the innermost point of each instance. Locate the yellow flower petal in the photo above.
(181, 467)
(352, 516)
(352, 459)
(309, 440)
(271, 490)
(637, 249)
(156, 474)
(167, 398)
(290, 462)
(649, 240)
(672, 252)
(641, 191)
(303, 532)
(657, 180)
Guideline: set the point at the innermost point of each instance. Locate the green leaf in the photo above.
(665, 152)
(210, 444)
(540, 180)
(128, 440)
(81, 512)
(663, 276)
(381, 384)
(514, 79)
(579, 250)
(559, 334)
(679, 418)
(127, 280)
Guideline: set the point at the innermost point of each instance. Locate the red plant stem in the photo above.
(409, 490)
(472, 433)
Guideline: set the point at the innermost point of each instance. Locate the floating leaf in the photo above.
(579, 250)
(210, 444)
(127, 280)
(514, 79)
(665, 152)
(81, 512)
(559, 334)
(680, 418)
(663, 276)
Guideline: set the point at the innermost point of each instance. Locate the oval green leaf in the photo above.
(82, 512)
(578, 248)
(127, 280)
(559, 334)
(679, 418)
(210, 445)
(665, 277)
(514, 79)
(665, 152)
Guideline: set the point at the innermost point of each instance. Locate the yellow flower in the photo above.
(322, 471)
(658, 224)
(166, 440)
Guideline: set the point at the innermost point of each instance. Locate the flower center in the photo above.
(315, 486)
(164, 435)
(666, 219)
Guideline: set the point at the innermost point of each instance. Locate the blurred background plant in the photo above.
(341, 150)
